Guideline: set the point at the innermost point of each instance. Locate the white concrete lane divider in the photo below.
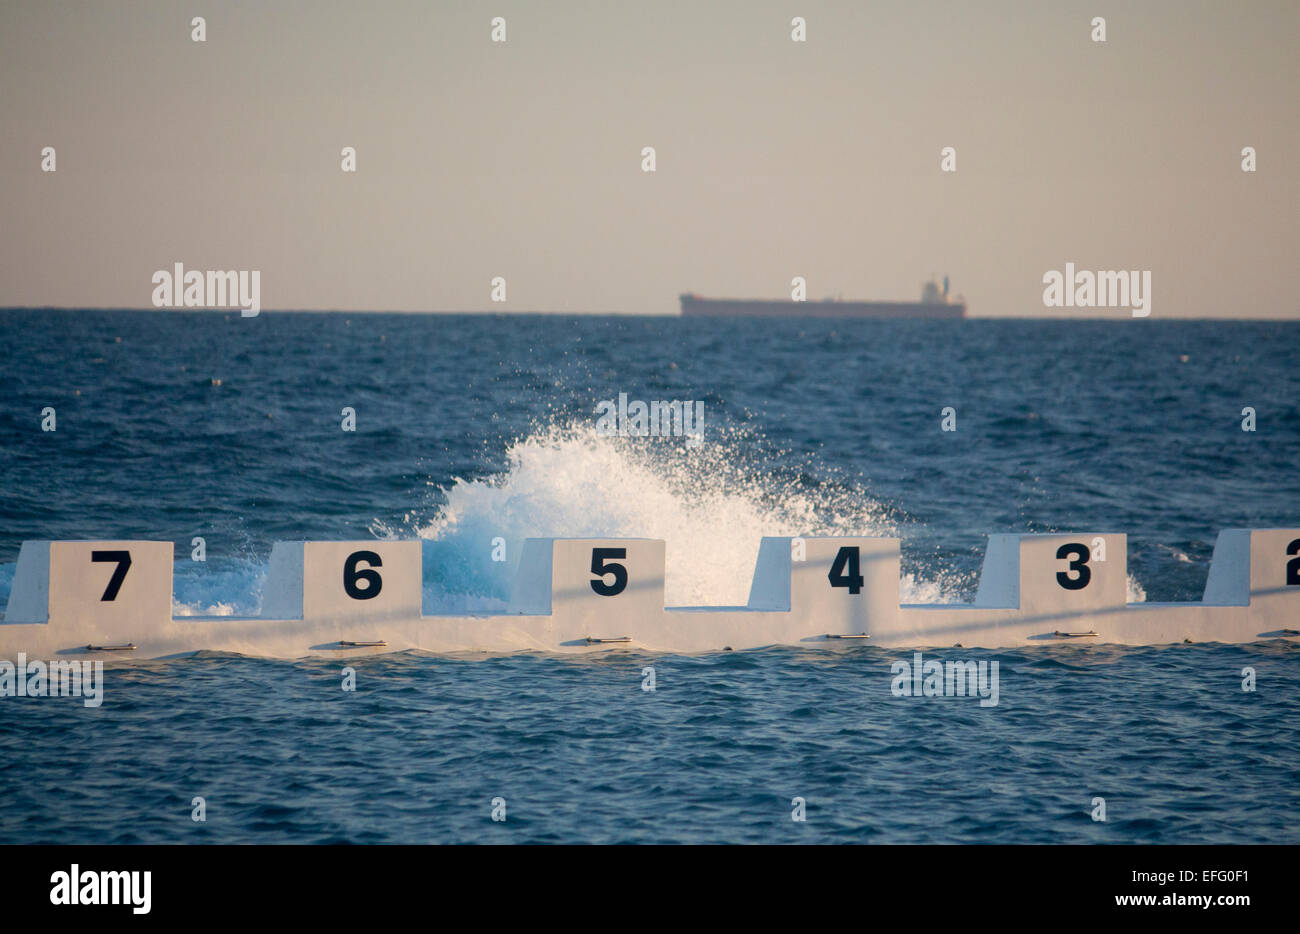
(114, 598)
(597, 590)
(1275, 577)
(1071, 577)
(352, 589)
(1259, 568)
(100, 597)
(834, 588)
(1044, 587)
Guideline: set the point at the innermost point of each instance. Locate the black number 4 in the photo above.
(123, 561)
(600, 567)
(848, 555)
(1079, 565)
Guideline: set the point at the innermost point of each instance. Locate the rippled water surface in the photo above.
(716, 753)
(176, 425)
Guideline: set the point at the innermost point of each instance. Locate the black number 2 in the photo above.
(123, 561)
(600, 566)
(852, 579)
(1079, 565)
(374, 583)
(1293, 566)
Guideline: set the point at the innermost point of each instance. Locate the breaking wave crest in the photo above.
(705, 502)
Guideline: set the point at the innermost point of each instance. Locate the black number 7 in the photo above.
(123, 561)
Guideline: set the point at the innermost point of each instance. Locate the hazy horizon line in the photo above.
(629, 314)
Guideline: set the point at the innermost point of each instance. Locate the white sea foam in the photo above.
(218, 589)
(570, 481)
(198, 609)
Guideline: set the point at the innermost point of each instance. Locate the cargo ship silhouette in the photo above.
(935, 303)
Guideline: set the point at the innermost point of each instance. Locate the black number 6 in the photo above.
(1078, 565)
(374, 583)
(1293, 566)
(600, 568)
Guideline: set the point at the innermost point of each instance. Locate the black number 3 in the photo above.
(1079, 565)
(1293, 566)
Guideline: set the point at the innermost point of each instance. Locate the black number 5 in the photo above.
(600, 568)
(123, 561)
(374, 583)
(1293, 566)
(1079, 565)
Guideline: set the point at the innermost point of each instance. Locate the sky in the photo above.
(774, 158)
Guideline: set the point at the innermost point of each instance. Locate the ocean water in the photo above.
(175, 425)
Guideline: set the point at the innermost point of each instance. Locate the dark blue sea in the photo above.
(173, 425)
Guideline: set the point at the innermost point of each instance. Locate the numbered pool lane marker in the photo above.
(839, 587)
(1259, 567)
(597, 589)
(1275, 574)
(346, 582)
(1055, 574)
(101, 593)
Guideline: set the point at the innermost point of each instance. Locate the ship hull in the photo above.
(761, 308)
